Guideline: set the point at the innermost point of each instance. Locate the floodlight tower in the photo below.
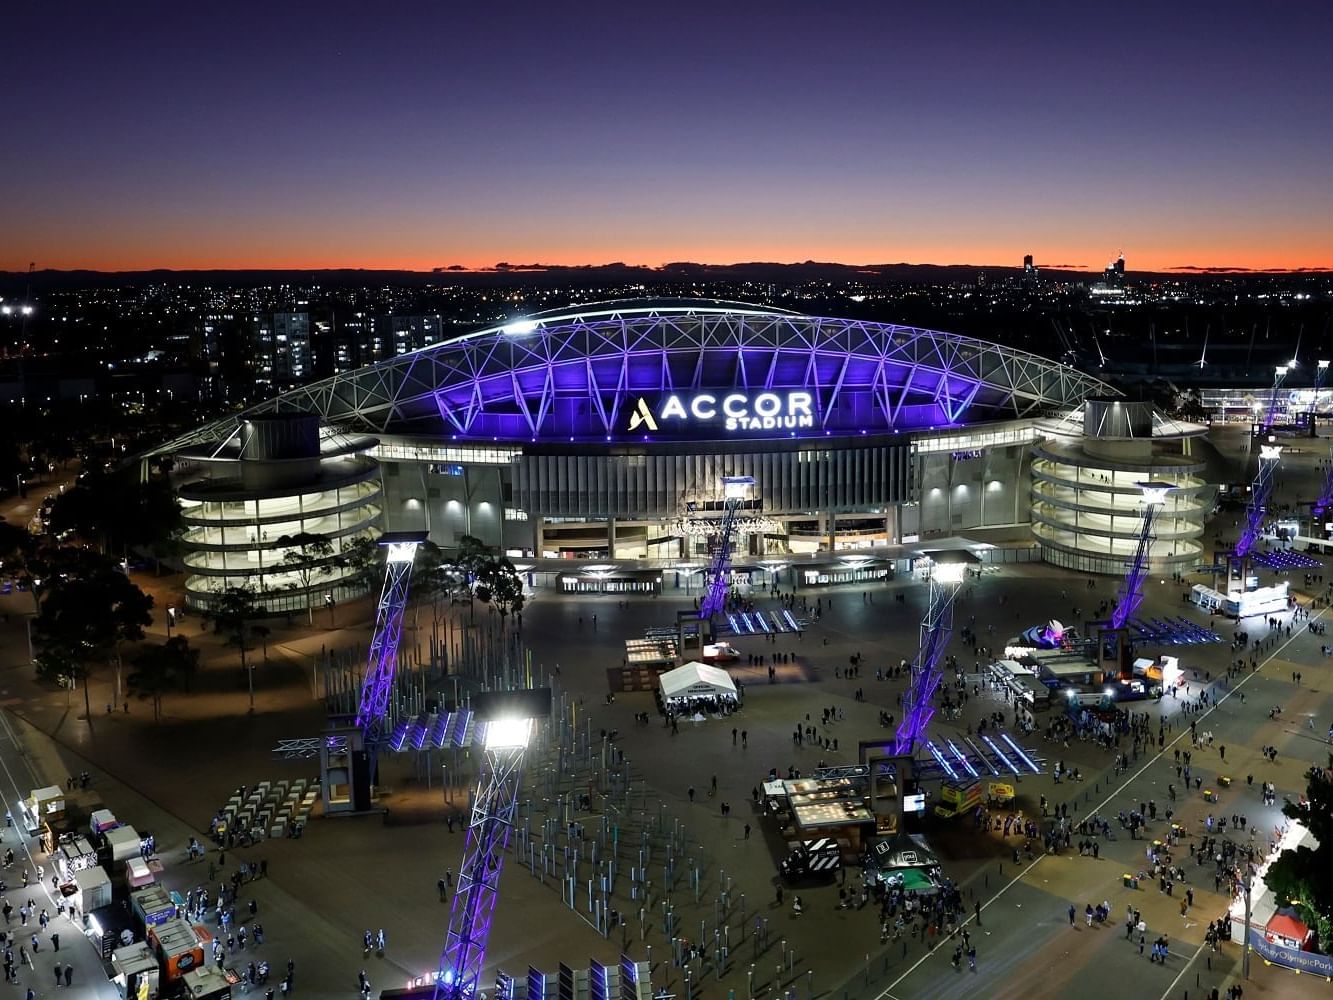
(1131, 589)
(506, 721)
(1260, 492)
(1321, 374)
(936, 629)
(383, 659)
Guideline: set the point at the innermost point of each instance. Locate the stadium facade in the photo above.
(592, 444)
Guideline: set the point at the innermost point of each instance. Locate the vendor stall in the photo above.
(110, 927)
(74, 855)
(92, 889)
(138, 874)
(152, 905)
(698, 687)
(179, 946)
(134, 971)
(43, 806)
(124, 842)
(101, 821)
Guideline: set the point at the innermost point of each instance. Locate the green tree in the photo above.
(234, 614)
(500, 586)
(364, 556)
(57, 663)
(462, 571)
(309, 557)
(87, 617)
(120, 512)
(1303, 876)
(162, 667)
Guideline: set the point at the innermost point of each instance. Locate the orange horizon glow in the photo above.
(1165, 260)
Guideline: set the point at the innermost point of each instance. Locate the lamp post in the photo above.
(171, 620)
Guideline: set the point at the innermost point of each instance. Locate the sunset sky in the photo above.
(424, 135)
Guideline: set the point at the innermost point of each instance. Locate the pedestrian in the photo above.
(1072, 914)
(55, 941)
(69, 975)
(747, 831)
(57, 970)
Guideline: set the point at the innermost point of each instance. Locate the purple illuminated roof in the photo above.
(687, 370)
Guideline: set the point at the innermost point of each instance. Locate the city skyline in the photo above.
(162, 138)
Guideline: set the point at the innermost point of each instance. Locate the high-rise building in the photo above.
(282, 349)
(1029, 270)
(1115, 271)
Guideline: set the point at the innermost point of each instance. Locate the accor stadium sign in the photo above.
(732, 411)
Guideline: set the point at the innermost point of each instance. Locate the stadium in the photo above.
(593, 445)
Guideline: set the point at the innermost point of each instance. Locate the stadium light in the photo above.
(520, 327)
(504, 734)
(1270, 452)
(950, 572)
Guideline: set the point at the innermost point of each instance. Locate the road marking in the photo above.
(1296, 634)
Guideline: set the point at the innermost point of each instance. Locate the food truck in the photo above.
(817, 858)
(43, 808)
(153, 906)
(101, 821)
(110, 927)
(135, 972)
(138, 874)
(73, 856)
(207, 983)
(124, 842)
(92, 889)
(179, 946)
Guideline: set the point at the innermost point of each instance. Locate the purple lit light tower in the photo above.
(382, 662)
(927, 672)
(1262, 486)
(504, 739)
(735, 490)
(1131, 588)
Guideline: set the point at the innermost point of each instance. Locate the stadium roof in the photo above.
(690, 369)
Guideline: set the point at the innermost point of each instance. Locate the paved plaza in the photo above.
(348, 875)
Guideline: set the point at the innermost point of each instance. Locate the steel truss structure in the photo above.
(576, 375)
(927, 669)
(479, 877)
(1262, 486)
(1131, 588)
(719, 572)
(382, 661)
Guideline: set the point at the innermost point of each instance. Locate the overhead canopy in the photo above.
(697, 679)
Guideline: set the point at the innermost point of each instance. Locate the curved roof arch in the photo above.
(609, 371)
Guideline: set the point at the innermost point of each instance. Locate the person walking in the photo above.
(57, 971)
(69, 976)
(1072, 914)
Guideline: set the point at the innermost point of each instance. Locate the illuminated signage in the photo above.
(732, 411)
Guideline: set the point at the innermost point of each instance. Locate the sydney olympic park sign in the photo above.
(688, 414)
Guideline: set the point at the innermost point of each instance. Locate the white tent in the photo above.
(697, 680)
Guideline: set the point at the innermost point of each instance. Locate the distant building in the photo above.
(1115, 272)
(1029, 270)
(282, 349)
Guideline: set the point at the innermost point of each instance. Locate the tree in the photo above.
(161, 667)
(234, 613)
(500, 586)
(120, 511)
(1303, 876)
(85, 618)
(364, 556)
(309, 556)
(463, 570)
(57, 662)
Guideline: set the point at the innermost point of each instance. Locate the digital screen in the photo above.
(914, 803)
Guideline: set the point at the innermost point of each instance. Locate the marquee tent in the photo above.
(697, 681)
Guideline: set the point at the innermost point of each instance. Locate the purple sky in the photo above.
(258, 135)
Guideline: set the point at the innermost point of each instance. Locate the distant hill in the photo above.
(618, 273)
